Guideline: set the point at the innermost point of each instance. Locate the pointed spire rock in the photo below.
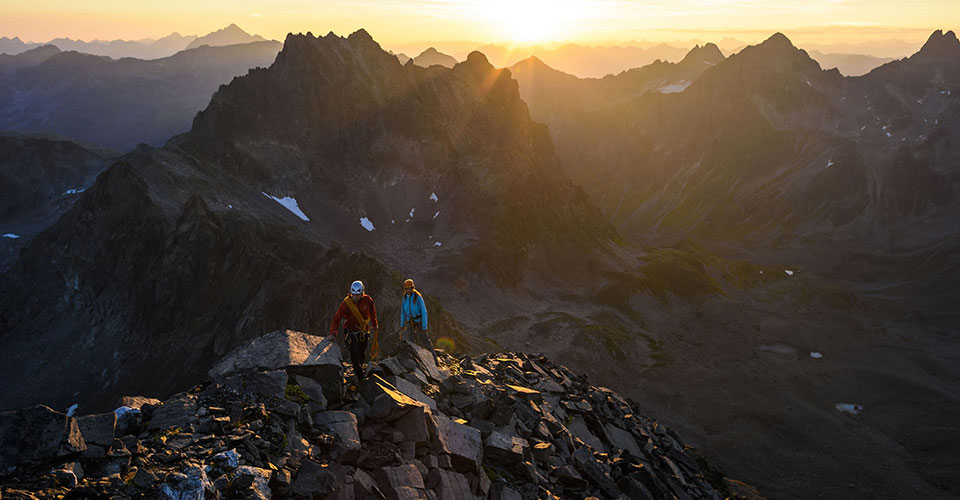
(940, 45)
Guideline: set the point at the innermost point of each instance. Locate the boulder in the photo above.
(509, 450)
(587, 464)
(177, 412)
(342, 424)
(314, 481)
(622, 440)
(37, 435)
(462, 442)
(229, 459)
(266, 383)
(501, 491)
(449, 484)
(412, 391)
(414, 425)
(296, 352)
(388, 403)
(312, 389)
(191, 484)
(423, 359)
(98, 429)
(395, 478)
(129, 421)
(253, 482)
(578, 427)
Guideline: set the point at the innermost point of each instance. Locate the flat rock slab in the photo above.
(278, 350)
(36, 435)
(296, 352)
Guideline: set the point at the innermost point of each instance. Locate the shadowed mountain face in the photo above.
(40, 179)
(766, 158)
(768, 151)
(176, 255)
(118, 104)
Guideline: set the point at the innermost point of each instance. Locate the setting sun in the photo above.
(531, 20)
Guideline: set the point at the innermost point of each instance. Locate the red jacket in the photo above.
(350, 323)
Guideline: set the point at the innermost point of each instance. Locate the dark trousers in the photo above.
(357, 344)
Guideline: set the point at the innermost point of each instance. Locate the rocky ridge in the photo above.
(283, 418)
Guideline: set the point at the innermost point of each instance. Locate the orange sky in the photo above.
(820, 22)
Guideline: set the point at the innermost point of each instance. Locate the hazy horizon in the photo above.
(883, 29)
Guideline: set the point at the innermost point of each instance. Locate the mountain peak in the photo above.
(708, 53)
(360, 35)
(778, 40)
(940, 45)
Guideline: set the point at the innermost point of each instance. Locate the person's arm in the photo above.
(335, 324)
(423, 312)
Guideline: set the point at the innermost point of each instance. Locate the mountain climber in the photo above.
(359, 315)
(413, 316)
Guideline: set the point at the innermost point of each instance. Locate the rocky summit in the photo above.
(284, 418)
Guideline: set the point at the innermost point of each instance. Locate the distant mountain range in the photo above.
(139, 49)
(118, 103)
(430, 57)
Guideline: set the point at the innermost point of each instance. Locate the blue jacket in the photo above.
(413, 309)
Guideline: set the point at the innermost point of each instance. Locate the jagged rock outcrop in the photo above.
(504, 426)
(255, 220)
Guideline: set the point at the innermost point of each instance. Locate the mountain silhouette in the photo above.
(118, 104)
(231, 35)
(431, 56)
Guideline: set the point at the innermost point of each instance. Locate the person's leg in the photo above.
(358, 367)
(356, 355)
(408, 335)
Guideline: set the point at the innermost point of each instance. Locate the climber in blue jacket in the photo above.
(413, 316)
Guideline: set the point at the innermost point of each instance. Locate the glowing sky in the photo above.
(395, 21)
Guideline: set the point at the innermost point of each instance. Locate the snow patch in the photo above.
(72, 409)
(365, 222)
(437, 244)
(829, 163)
(436, 214)
(11, 236)
(808, 83)
(123, 410)
(393, 221)
(673, 88)
(789, 272)
(433, 197)
(815, 355)
(290, 204)
(412, 210)
(889, 134)
(849, 408)
(73, 191)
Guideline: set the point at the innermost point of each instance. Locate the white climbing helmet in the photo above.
(356, 287)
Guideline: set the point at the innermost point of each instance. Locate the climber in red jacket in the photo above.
(359, 316)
